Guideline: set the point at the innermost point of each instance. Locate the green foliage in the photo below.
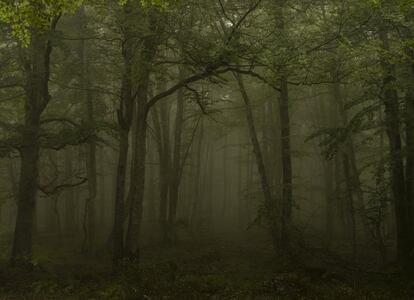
(23, 16)
(146, 3)
(26, 15)
(406, 4)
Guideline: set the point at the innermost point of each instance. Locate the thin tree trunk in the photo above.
(58, 223)
(70, 213)
(355, 181)
(225, 187)
(89, 226)
(350, 198)
(176, 166)
(287, 197)
(197, 198)
(161, 127)
(329, 201)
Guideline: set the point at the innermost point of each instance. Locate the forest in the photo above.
(207, 149)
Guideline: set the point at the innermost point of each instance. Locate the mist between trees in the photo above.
(279, 124)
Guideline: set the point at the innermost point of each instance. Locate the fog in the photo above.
(206, 149)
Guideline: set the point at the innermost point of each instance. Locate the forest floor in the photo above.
(198, 270)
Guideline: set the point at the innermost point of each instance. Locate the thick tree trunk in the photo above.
(409, 131)
(27, 191)
(403, 205)
(37, 98)
(125, 114)
(135, 196)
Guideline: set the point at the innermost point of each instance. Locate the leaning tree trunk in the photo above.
(37, 70)
(268, 201)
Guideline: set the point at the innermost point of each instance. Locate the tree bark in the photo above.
(329, 201)
(125, 114)
(409, 129)
(403, 205)
(135, 196)
(287, 196)
(161, 127)
(37, 69)
(268, 201)
(350, 202)
(90, 210)
(176, 167)
(70, 217)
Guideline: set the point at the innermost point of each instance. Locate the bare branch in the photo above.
(56, 189)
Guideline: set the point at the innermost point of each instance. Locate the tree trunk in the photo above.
(287, 200)
(27, 191)
(125, 114)
(176, 167)
(37, 98)
(349, 148)
(409, 132)
(350, 202)
(161, 127)
(90, 211)
(58, 224)
(135, 196)
(403, 206)
(329, 201)
(70, 211)
(197, 198)
(268, 201)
